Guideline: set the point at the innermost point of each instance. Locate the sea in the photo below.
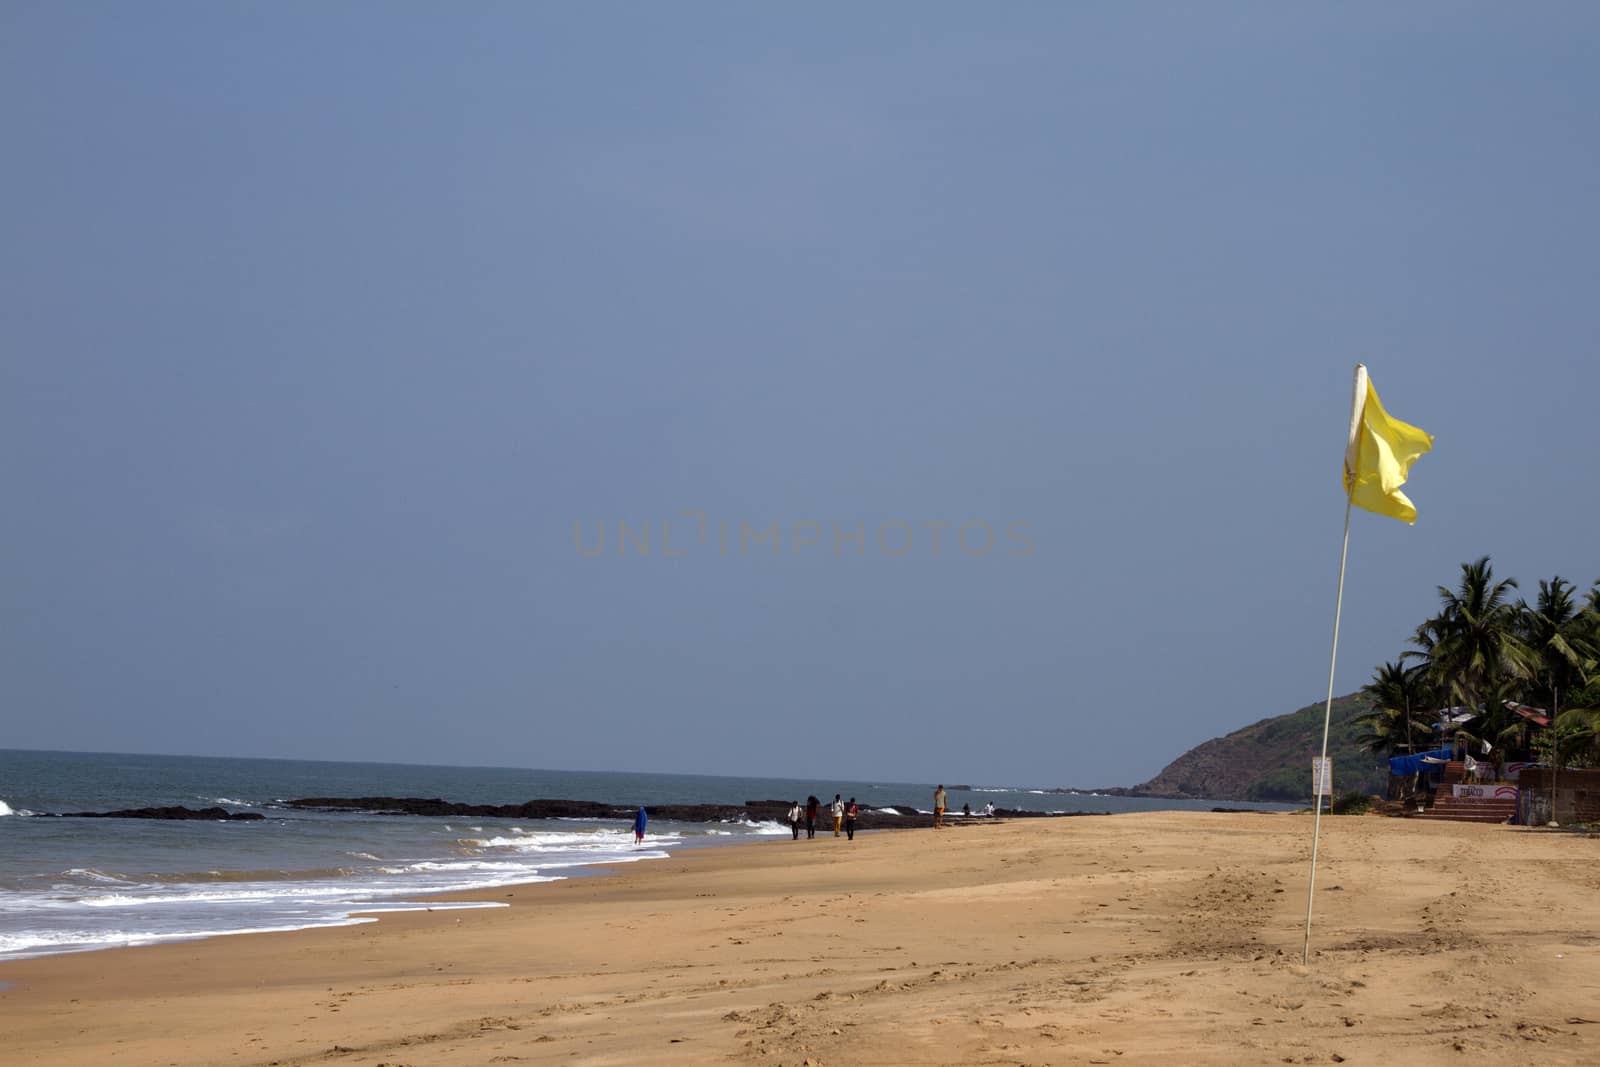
(75, 885)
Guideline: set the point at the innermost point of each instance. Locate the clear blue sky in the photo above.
(321, 324)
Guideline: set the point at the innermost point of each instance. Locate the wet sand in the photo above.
(1170, 937)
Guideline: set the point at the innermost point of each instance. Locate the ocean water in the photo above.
(69, 885)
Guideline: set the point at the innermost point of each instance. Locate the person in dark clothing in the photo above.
(850, 814)
(812, 805)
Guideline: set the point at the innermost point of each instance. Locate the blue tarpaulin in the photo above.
(1414, 763)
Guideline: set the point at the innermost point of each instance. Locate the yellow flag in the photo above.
(1379, 454)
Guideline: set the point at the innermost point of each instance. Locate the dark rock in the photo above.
(752, 811)
(898, 809)
(210, 814)
(533, 809)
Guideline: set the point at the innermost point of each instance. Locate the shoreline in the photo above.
(405, 902)
(673, 834)
(465, 899)
(1172, 935)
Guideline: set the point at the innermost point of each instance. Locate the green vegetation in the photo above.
(1482, 651)
(1288, 777)
(1352, 804)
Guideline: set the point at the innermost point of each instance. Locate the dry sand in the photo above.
(1164, 937)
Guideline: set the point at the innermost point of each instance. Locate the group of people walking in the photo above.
(844, 816)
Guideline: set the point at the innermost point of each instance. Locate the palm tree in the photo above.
(1578, 732)
(1588, 625)
(1562, 640)
(1558, 637)
(1400, 696)
(1471, 649)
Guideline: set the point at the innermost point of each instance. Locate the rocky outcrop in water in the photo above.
(751, 811)
(533, 809)
(209, 814)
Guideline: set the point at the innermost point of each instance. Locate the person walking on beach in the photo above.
(639, 821)
(838, 814)
(796, 813)
(850, 814)
(812, 804)
(938, 807)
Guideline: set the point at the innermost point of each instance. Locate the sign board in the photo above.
(1322, 776)
(1491, 792)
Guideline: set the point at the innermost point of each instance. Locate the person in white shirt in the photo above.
(796, 814)
(838, 815)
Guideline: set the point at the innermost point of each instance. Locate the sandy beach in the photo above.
(1172, 937)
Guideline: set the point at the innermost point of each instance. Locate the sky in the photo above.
(335, 336)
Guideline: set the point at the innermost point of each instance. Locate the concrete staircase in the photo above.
(1448, 806)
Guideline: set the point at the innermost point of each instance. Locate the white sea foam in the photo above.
(247, 892)
(446, 905)
(589, 861)
(457, 865)
(883, 811)
(5, 809)
(42, 943)
(594, 841)
(91, 874)
(86, 908)
(518, 873)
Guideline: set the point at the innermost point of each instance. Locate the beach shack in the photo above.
(1414, 776)
(1449, 782)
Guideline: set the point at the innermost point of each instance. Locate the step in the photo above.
(1475, 809)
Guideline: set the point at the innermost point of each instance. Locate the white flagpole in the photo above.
(1327, 715)
(1357, 408)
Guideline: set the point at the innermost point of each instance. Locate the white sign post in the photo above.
(1321, 778)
